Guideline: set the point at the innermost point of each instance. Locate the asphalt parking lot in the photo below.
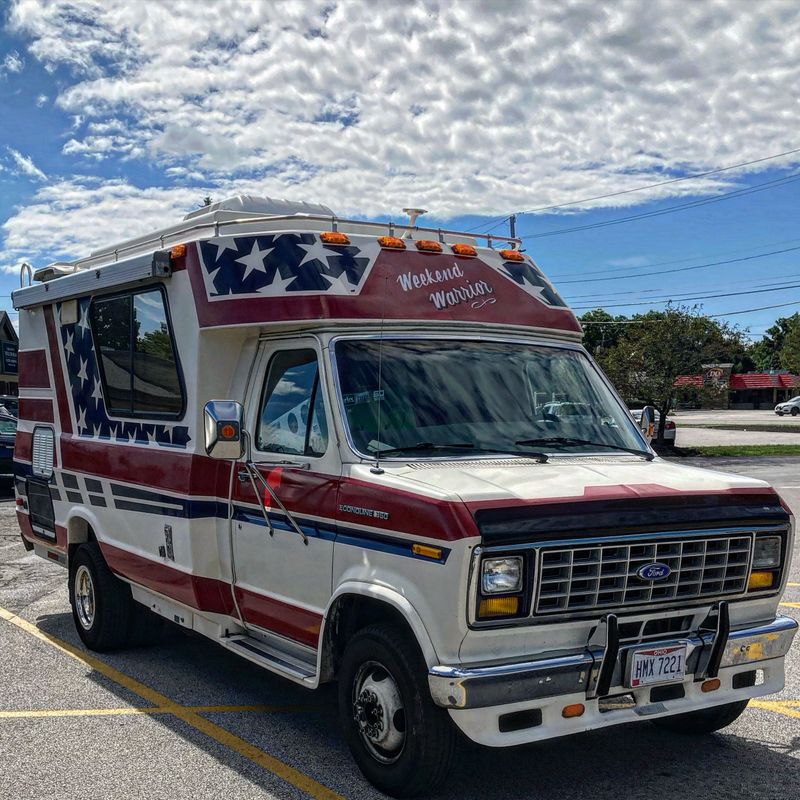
(186, 719)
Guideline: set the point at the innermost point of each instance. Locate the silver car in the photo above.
(789, 407)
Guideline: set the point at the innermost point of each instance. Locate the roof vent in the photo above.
(57, 269)
(243, 204)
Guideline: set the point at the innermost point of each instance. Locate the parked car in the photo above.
(8, 436)
(10, 403)
(670, 430)
(789, 407)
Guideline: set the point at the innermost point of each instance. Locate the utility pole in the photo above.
(512, 225)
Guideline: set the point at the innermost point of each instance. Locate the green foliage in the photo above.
(790, 351)
(768, 354)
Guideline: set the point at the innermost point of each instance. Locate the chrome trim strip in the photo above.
(500, 684)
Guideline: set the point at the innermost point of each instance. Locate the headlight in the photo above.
(501, 575)
(767, 552)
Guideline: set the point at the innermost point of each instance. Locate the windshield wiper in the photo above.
(568, 440)
(429, 446)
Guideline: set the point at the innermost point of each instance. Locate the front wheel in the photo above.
(795, 412)
(402, 742)
(707, 720)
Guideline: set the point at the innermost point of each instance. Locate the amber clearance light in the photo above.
(334, 237)
(179, 251)
(512, 255)
(464, 250)
(392, 242)
(428, 246)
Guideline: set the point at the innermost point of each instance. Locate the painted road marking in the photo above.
(778, 707)
(127, 710)
(792, 584)
(790, 605)
(184, 713)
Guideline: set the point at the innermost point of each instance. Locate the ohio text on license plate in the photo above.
(657, 665)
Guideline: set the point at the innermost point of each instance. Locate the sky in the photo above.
(119, 117)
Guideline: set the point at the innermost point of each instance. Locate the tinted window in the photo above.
(292, 418)
(137, 355)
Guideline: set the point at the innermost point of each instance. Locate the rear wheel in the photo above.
(402, 742)
(101, 602)
(707, 720)
(795, 411)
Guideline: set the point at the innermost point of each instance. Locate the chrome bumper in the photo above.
(494, 685)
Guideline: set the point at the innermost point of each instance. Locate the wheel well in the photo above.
(350, 614)
(78, 532)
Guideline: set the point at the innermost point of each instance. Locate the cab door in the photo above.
(283, 560)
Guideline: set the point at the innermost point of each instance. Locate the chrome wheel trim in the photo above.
(378, 712)
(84, 597)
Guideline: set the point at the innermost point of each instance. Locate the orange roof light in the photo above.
(464, 250)
(179, 251)
(334, 237)
(428, 246)
(512, 255)
(392, 242)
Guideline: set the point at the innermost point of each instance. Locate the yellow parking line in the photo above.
(790, 605)
(127, 710)
(184, 713)
(778, 707)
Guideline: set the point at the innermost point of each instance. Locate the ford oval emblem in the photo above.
(654, 572)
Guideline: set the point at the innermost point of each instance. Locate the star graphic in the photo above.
(82, 420)
(317, 251)
(151, 439)
(82, 376)
(223, 243)
(255, 261)
(68, 348)
(97, 394)
(132, 436)
(84, 321)
(96, 431)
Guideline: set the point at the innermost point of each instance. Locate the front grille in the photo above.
(582, 578)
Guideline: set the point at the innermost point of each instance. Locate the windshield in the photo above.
(484, 396)
(8, 427)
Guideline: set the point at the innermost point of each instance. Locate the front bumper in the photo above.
(571, 673)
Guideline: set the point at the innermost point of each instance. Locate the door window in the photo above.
(292, 415)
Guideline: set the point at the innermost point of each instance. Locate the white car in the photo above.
(789, 407)
(669, 428)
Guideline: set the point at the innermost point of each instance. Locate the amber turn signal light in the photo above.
(711, 685)
(179, 251)
(574, 710)
(464, 250)
(392, 242)
(512, 255)
(428, 246)
(760, 579)
(498, 607)
(334, 237)
(426, 551)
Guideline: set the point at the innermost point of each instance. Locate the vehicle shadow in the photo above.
(6, 487)
(632, 761)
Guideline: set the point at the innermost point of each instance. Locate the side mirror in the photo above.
(224, 429)
(648, 422)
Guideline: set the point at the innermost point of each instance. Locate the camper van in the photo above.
(329, 446)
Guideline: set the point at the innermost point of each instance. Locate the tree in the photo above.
(766, 354)
(659, 346)
(599, 331)
(790, 351)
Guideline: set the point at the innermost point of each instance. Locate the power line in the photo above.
(714, 316)
(758, 187)
(682, 269)
(674, 260)
(694, 297)
(693, 176)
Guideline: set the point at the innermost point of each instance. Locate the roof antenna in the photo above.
(376, 468)
(413, 213)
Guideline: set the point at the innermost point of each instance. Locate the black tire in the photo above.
(707, 720)
(795, 411)
(105, 622)
(779, 413)
(421, 764)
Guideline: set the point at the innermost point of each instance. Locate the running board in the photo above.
(271, 658)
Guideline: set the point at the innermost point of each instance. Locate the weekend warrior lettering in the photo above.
(478, 293)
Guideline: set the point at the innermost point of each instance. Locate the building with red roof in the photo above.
(724, 389)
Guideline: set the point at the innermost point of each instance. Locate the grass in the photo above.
(778, 427)
(742, 450)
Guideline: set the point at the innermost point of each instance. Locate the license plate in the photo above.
(657, 665)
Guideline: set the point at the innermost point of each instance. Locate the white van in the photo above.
(326, 446)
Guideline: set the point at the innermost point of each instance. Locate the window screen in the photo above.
(137, 355)
(292, 418)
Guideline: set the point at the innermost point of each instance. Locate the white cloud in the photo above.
(25, 165)
(12, 63)
(41, 100)
(461, 107)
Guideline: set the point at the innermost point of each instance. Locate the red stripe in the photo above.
(287, 620)
(23, 446)
(58, 374)
(36, 409)
(33, 369)
(25, 526)
(205, 594)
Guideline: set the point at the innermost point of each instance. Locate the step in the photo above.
(271, 657)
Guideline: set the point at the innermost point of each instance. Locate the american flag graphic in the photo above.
(527, 276)
(92, 420)
(283, 264)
